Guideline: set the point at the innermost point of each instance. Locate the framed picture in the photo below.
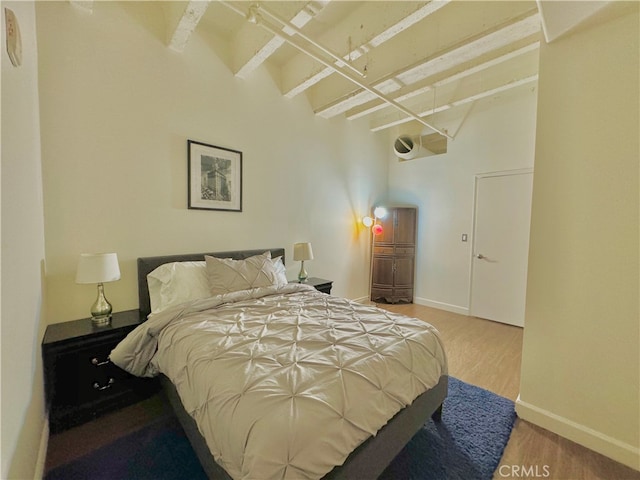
(215, 177)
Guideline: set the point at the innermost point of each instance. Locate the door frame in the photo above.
(477, 177)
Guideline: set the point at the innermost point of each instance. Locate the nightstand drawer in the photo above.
(80, 381)
(97, 377)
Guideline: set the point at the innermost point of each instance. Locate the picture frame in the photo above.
(215, 177)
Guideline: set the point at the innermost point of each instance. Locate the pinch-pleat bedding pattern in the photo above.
(284, 382)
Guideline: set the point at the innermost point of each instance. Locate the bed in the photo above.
(312, 343)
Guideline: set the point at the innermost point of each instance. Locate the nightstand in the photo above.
(80, 381)
(319, 284)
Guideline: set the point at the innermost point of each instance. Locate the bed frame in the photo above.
(367, 461)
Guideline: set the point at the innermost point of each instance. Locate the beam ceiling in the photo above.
(390, 62)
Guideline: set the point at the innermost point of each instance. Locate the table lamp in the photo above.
(99, 268)
(302, 252)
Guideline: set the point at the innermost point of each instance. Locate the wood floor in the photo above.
(480, 352)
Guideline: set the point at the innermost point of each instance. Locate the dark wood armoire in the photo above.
(393, 257)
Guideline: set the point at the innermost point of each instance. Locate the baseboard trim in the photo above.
(608, 446)
(364, 300)
(426, 303)
(441, 306)
(42, 451)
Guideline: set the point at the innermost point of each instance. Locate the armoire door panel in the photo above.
(404, 273)
(386, 237)
(405, 226)
(393, 257)
(382, 273)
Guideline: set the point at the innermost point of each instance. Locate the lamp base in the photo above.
(101, 309)
(101, 321)
(302, 275)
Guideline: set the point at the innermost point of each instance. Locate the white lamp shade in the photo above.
(98, 268)
(302, 251)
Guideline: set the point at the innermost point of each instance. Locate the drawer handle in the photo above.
(98, 363)
(97, 386)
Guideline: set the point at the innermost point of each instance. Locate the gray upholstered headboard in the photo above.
(146, 265)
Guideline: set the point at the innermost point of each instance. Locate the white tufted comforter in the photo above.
(286, 382)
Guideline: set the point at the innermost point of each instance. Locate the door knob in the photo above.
(480, 256)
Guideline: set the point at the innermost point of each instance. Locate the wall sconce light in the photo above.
(302, 252)
(99, 268)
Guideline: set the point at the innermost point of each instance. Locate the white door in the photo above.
(501, 246)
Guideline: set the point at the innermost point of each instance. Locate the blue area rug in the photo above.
(467, 445)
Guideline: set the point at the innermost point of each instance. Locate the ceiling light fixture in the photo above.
(252, 14)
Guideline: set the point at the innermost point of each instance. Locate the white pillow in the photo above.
(228, 275)
(177, 282)
(281, 271)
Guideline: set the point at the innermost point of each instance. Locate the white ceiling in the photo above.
(401, 61)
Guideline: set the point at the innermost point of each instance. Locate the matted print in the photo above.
(215, 177)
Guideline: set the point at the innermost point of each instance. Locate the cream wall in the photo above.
(496, 133)
(581, 357)
(22, 252)
(117, 108)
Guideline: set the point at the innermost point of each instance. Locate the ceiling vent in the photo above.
(408, 147)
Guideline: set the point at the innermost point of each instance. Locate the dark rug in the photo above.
(467, 445)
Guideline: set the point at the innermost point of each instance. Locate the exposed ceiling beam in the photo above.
(529, 45)
(300, 74)
(254, 46)
(453, 95)
(333, 99)
(287, 35)
(187, 24)
(290, 29)
(396, 62)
